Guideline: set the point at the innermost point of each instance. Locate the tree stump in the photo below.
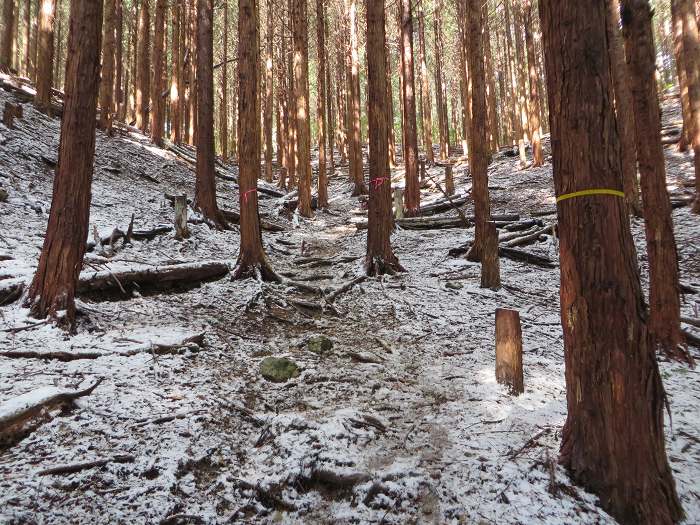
(398, 203)
(490, 264)
(449, 180)
(509, 350)
(11, 112)
(181, 231)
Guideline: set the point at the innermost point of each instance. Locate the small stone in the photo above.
(319, 344)
(3, 195)
(278, 369)
(452, 285)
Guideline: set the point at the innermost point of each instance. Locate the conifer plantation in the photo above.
(349, 261)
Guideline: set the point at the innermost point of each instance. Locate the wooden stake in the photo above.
(509, 350)
(181, 231)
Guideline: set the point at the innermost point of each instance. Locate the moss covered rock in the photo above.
(319, 344)
(278, 369)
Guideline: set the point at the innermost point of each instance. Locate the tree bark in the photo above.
(8, 19)
(301, 92)
(108, 58)
(534, 120)
(691, 59)
(410, 134)
(520, 62)
(26, 37)
(624, 112)
(678, 54)
(355, 134)
(205, 184)
(44, 76)
(269, 86)
(425, 82)
(118, 90)
(613, 441)
(380, 257)
(223, 110)
(321, 105)
(159, 68)
(176, 75)
(143, 69)
(53, 288)
(664, 319)
(252, 260)
(440, 101)
(478, 143)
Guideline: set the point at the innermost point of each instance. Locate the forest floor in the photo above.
(402, 421)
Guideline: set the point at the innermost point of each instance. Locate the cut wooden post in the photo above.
(181, 231)
(509, 350)
(11, 112)
(398, 203)
(449, 180)
(490, 264)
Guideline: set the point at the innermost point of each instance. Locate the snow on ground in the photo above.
(423, 434)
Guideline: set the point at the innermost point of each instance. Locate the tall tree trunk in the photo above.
(537, 155)
(192, 75)
(624, 112)
(520, 62)
(330, 114)
(176, 75)
(223, 126)
(252, 261)
(292, 144)
(410, 142)
(159, 71)
(301, 91)
(691, 59)
(390, 104)
(355, 135)
(490, 84)
(8, 20)
(205, 184)
(283, 120)
(269, 92)
(440, 101)
(321, 105)
(380, 257)
(478, 141)
(53, 288)
(516, 125)
(134, 62)
(143, 69)
(682, 78)
(664, 319)
(613, 440)
(118, 103)
(425, 88)
(44, 77)
(27, 36)
(107, 82)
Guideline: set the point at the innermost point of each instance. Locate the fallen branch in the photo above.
(77, 467)
(530, 238)
(158, 347)
(22, 414)
(11, 290)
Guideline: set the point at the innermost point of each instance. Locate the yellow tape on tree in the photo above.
(582, 193)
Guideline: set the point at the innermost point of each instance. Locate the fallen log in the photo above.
(234, 217)
(116, 280)
(438, 223)
(77, 467)
(530, 238)
(24, 413)
(444, 204)
(137, 235)
(11, 290)
(161, 346)
(511, 253)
